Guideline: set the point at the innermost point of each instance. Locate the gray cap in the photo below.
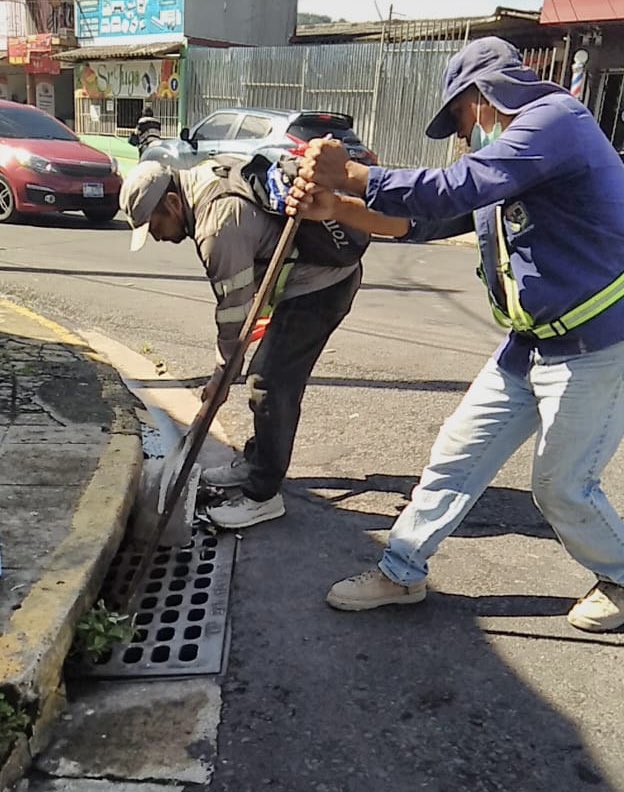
(140, 194)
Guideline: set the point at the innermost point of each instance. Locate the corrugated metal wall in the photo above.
(392, 89)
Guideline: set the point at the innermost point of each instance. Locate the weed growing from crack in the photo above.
(98, 631)
(13, 722)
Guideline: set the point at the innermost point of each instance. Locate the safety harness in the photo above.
(520, 320)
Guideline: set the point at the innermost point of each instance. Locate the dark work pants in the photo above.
(278, 374)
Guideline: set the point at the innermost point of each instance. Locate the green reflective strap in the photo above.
(587, 310)
(519, 319)
(278, 291)
(499, 315)
(522, 321)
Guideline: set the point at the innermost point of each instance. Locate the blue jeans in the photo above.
(576, 406)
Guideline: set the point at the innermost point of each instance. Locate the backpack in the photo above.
(327, 243)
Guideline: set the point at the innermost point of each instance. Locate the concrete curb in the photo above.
(33, 649)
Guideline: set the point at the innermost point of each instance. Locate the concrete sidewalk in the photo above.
(70, 461)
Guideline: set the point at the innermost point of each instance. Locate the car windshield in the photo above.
(25, 122)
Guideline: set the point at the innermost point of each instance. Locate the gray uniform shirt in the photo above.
(231, 234)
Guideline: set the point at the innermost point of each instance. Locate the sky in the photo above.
(363, 10)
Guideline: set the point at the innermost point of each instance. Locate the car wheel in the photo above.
(7, 202)
(100, 215)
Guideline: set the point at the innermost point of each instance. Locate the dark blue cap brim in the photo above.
(443, 124)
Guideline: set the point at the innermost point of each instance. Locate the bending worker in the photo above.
(235, 239)
(547, 192)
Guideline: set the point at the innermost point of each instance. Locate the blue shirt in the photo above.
(561, 187)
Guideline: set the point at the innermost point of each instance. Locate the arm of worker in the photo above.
(529, 152)
(315, 204)
(227, 244)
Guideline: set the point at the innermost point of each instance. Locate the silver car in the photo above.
(248, 131)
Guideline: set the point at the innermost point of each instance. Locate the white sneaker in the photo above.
(232, 475)
(241, 511)
(600, 609)
(371, 589)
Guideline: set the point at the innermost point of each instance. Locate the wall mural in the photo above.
(127, 80)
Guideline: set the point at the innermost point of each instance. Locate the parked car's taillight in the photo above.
(300, 145)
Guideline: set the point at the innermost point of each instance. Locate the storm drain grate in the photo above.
(181, 605)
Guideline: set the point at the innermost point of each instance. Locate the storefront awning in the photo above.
(120, 52)
(563, 11)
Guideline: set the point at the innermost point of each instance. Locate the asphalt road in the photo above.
(483, 687)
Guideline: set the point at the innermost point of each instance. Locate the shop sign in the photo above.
(127, 18)
(18, 52)
(44, 97)
(128, 80)
(22, 47)
(42, 64)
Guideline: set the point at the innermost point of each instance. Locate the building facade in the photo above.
(31, 32)
(132, 53)
(595, 40)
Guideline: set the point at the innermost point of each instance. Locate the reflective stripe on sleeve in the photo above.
(239, 281)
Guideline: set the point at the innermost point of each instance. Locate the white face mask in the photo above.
(479, 138)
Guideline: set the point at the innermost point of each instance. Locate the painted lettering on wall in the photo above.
(127, 80)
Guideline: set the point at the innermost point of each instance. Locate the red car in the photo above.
(45, 168)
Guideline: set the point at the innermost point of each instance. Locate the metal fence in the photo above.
(391, 87)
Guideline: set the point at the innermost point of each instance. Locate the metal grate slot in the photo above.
(181, 605)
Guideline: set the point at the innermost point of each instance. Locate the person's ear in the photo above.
(174, 203)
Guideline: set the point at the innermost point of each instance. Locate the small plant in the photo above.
(13, 722)
(99, 630)
(146, 349)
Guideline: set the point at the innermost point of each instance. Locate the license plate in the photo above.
(93, 190)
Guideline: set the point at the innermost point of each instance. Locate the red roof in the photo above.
(558, 11)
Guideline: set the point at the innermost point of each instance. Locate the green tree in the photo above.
(313, 19)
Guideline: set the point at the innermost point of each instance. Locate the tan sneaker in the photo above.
(600, 609)
(371, 589)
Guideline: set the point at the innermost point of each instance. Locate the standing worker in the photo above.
(547, 192)
(235, 239)
(147, 131)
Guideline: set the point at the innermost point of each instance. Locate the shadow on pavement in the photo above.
(103, 273)
(412, 287)
(430, 386)
(499, 511)
(396, 699)
(72, 220)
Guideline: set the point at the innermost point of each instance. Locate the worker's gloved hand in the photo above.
(210, 388)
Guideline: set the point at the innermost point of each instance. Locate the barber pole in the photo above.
(578, 74)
